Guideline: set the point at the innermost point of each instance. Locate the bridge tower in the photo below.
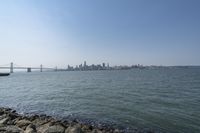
(28, 69)
(11, 67)
(41, 68)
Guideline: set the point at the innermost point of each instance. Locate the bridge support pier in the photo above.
(40, 68)
(11, 67)
(28, 70)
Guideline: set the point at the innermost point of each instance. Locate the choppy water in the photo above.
(162, 99)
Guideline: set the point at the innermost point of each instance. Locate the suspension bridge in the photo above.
(13, 67)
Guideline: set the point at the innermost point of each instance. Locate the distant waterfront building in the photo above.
(76, 68)
(80, 67)
(70, 68)
(99, 67)
(85, 67)
(92, 67)
(85, 64)
(108, 66)
(104, 65)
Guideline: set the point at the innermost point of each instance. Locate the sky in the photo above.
(119, 32)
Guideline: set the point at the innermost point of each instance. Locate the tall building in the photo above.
(85, 64)
(108, 66)
(104, 65)
(80, 66)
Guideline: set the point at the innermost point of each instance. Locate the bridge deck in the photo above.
(24, 68)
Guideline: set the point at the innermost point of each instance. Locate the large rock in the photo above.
(86, 128)
(1, 112)
(43, 128)
(3, 116)
(4, 121)
(23, 123)
(10, 122)
(13, 115)
(38, 122)
(11, 129)
(30, 129)
(75, 129)
(33, 117)
(55, 129)
(49, 128)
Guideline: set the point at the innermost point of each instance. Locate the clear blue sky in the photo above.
(62, 32)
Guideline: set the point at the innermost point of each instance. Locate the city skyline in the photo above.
(119, 32)
(82, 67)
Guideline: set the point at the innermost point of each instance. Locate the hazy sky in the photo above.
(62, 32)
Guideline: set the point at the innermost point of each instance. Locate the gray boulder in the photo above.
(11, 129)
(43, 128)
(75, 129)
(23, 123)
(4, 121)
(30, 129)
(55, 129)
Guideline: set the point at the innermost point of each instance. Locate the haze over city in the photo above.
(112, 31)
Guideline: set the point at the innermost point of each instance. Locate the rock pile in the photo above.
(12, 122)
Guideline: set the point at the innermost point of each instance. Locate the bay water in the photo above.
(162, 99)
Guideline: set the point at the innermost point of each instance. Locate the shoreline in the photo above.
(13, 122)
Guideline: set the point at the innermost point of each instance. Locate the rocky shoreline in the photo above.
(12, 122)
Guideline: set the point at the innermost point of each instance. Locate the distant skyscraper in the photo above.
(80, 66)
(104, 65)
(85, 64)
